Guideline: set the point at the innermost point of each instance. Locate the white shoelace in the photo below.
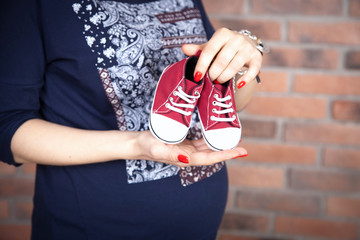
(187, 98)
(227, 109)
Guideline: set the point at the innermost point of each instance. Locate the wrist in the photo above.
(132, 145)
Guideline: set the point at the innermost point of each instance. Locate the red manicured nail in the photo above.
(216, 82)
(241, 84)
(183, 158)
(243, 155)
(197, 76)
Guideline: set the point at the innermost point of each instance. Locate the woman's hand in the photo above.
(226, 53)
(42, 142)
(186, 153)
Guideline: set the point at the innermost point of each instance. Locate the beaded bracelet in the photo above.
(241, 73)
(258, 42)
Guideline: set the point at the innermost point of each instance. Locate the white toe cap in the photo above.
(222, 139)
(167, 129)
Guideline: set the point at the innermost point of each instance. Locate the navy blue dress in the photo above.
(93, 64)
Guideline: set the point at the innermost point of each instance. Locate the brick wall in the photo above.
(301, 179)
(16, 191)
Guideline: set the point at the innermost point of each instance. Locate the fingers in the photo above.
(191, 49)
(232, 68)
(187, 153)
(196, 153)
(211, 49)
(203, 155)
(252, 72)
(230, 59)
(224, 55)
(209, 157)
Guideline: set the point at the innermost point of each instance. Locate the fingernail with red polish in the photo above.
(197, 76)
(183, 158)
(216, 82)
(241, 84)
(243, 155)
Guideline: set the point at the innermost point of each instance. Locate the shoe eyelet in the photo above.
(179, 87)
(175, 93)
(167, 105)
(212, 118)
(214, 103)
(171, 99)
(216, 96)
(213, 110)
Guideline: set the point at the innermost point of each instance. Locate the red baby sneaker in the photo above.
(175, 99)
(220, 124)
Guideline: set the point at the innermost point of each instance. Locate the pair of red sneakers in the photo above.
(176, 96)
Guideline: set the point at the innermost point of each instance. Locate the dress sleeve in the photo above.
(21, 70)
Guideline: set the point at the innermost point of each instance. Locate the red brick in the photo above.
(266, 30)
(301, 58)
(311, 108)
(278, 202)
(343, 207)
(352, 60)
(237, 221)
(323, 133)
(258, 128)
(14, 232)
(4, 209)
(258, 177)
(347, 33)
(235, 237)
(321, 180)
(279, 153)
(273, 82)
(16, 187)
(346, 110)
(316, 228)
(354, 8)
(241, 237)
(6, 169)
(342, 158)
(309, 7)
(23, 210)
(327, 84)
(29, 168)
(225, 6)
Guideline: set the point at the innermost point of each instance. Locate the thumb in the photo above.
(191, 49)
(184, 158)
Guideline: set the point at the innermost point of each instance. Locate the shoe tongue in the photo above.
(191, 85)
(222, 87)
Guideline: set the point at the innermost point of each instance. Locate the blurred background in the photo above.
(301, 179)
